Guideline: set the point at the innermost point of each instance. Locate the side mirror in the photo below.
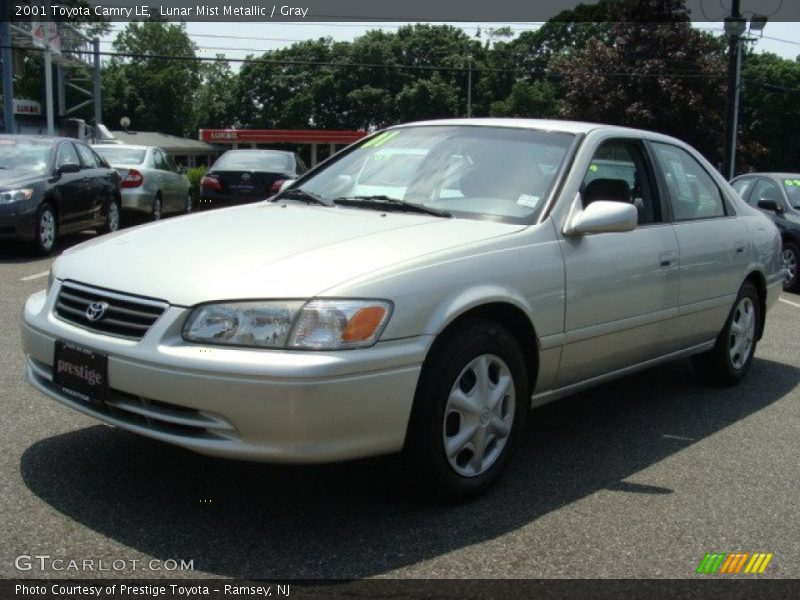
(68, 168)
(603, 216)
(770, 205)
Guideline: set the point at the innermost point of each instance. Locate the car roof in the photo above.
(556, 125)
(37, 138)
(261, 150)
(125, 146)
(776, 174)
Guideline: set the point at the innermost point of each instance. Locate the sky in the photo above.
(237, 40)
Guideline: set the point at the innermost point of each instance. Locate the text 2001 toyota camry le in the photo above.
(419, 292)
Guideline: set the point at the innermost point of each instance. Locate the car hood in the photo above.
(12, 178)
(263, 250)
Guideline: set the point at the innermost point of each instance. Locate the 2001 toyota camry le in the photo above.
(419, 291)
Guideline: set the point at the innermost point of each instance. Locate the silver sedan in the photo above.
(151, 183)
(420, 292)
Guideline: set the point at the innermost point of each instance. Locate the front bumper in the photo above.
(267, 405)
(18, 221)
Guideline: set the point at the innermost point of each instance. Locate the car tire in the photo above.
(469, 410)
(46, 230)
(113, 217)
(189, 206)
(729, 360)
(790, 260)
(157, 210)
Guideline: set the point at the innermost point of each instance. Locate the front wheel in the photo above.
(46, 230)
(729, 360)
(156, 210)
(790, 258)
(469, 410)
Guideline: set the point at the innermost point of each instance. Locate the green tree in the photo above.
(155, 79)
(535, 100)
(214, 101)
(657, 73)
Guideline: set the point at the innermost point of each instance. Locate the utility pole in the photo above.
(469, 87)
(735, 26)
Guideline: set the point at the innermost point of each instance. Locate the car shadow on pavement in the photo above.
(22, 252)
(361, 519)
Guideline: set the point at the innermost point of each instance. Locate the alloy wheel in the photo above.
(742, 333)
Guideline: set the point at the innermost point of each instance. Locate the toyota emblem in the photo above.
(245, 176)
(96, 310)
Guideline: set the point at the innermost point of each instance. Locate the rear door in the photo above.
(621, 287)
(99, 186)
(74, 198)
(713, 243)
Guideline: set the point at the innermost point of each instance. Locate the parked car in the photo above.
(777, 194)
(493, 276)
(242, 176)
(151, 183)
(52, 186)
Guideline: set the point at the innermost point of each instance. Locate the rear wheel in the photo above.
(112, 218)
(156, 211)
(469, 410)
(189, 205)
(46, 230)
(729, 360)
(790, 259)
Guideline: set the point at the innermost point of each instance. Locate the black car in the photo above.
(777, 194)
(241, 176)
(51, 186)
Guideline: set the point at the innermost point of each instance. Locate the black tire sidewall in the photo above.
(793, 285)
(157, 216)
(446, 361)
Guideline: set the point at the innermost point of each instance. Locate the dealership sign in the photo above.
(27, 107)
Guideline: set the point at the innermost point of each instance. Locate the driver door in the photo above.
(621, 287)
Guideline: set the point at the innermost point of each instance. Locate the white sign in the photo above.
(27, 107)
(38, 34)
(53, 37)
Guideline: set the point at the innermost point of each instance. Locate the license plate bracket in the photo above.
(80, 373)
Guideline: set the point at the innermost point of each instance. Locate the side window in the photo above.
(619, 172)
(765, 190)
(87, 157)
(692, 191)
(742, 186)
(67, 155)
(160, 160)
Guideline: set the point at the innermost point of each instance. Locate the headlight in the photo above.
(10, 196)
(314, 325)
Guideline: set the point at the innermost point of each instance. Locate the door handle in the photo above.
(667, 259)
(741, 246)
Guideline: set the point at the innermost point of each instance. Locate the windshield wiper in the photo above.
(303, 195)
(386, 203)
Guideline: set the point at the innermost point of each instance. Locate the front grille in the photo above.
(125, 315)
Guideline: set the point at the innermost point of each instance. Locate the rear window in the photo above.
(121, 156)
(252, 160)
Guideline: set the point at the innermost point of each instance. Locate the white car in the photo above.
(502, 270)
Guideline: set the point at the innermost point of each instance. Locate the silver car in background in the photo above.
(419, 292)
(151, 183)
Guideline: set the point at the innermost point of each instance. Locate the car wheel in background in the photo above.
(46, 229)
(790, 259)
(469, 410)
(189, 206)
(156, 212)
(729, 360)
(112, 218)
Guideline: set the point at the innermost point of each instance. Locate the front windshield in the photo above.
(792, 187)
(27, 155)
(470, 171)
(120, 155)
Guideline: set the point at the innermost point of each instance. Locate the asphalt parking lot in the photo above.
(638, 478)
